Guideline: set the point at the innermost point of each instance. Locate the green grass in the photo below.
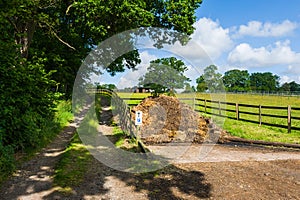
(119, 136)
(255, 132)
(70, 170)
(124, 141)
(63, 114)
(245, 129)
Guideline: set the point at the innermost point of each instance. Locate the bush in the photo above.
(7, 161)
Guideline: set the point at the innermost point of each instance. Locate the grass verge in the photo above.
(9, 160)
(70, 170)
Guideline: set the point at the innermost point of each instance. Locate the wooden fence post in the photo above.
(260, 118)
(237, 111)
(219, 108)
(204, 105)
(289, 119)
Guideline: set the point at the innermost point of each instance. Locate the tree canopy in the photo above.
(264, 82)
(241, 81)
(236, 80)
(165, 75)
(211, 80)
(43, 44)
(62, 33)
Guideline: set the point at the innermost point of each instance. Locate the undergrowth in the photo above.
(11, 157)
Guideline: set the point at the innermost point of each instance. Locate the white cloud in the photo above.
(259, 29)
(278, 54)
(290, 77)
(212, 37)
(285, 79)
(208, 42)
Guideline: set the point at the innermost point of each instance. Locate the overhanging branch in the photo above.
(65, 43)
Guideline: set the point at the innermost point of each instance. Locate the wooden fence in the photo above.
(125, 120)
(239, 112)
(219, 108)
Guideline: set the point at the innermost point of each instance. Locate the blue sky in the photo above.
(258, 36)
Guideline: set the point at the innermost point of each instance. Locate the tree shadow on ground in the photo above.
(103, 182)
(171, 182)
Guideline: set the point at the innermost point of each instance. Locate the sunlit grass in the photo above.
(255, 132)
(70, 170)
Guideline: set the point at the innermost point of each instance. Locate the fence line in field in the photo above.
(259, 113)
(217, 108)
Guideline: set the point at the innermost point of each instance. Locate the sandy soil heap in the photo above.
(166, 119)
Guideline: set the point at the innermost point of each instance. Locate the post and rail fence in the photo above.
(236, 110)
(241, 108)
(231, 110)
(122, 109)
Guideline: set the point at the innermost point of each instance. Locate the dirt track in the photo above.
(229, 172)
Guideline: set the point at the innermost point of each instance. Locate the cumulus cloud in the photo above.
(208, 42)
(259, 29)
(212, 37)
(278, 54)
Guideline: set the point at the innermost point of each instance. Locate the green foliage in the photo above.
(165, 75)
(42, 45)
(63, 113)
(241, 81)
(210, 81)
(236, 80)
(107, 86)
(26, 103)
(7, 161)
(64, 32)
(264, 82)
(201, 84)
(290, 87)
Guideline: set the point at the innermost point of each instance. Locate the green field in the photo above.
(241, 128)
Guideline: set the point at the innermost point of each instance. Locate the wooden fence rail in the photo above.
(215, 106)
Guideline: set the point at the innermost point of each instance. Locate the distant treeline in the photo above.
(242, 81)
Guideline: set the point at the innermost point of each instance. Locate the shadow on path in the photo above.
(35, 178)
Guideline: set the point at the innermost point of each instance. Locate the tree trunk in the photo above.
(23, 35)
